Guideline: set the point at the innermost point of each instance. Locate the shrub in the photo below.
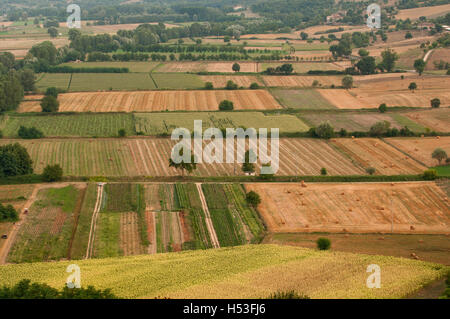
(29, 133)
(209, 86)
(382, 108)
(370, 170)
(412, 86)
(236, 67)
(254, 86)
(287, 295)
(315, 83)
(435, 103)
(49, 104)
(231, 85)
(52, 91)
(325, 130)
(430, 174)
(347, 82)
(252, 198)
(122, 132)
(8, 214)
(226, 105)
(323, 243)
(52, 173)
(323, 171)
(15, 160)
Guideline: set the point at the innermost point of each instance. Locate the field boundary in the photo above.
(208, 220)
(78, 206)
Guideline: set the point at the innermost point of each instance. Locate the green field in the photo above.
(71, 125)
(303, 67)
(301, 99)
(251, 271)
(58, 80)
(46, 232)
(111, 81)
(134, 67)
(177, 81)
(163, 123)
(107, 235)
(443, 170)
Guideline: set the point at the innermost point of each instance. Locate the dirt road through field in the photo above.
(209, 224)
(98, 203)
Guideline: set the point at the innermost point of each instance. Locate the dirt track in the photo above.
(209, 224)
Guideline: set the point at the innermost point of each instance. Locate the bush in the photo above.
(236, 67)
(435, 103)
(29, 133)
(209, 86)
(288, 295)
(254, 86)
(323, 171)
(226, 105)
(324, 130)
(430, 174)
(370, 170)
(8, 214)
(52, 91)
(253, 199)
(323, 243)
(382, 108)
(15, 160)
(347, 82)
(52, 173)
(122, 132)
(231, 85)
(49, 104)
(439, 154)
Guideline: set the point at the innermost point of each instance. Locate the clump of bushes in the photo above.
(226, 105)
(323, 243)
(291, 294)
(8, 214)
(29, 133)
(52, 173)
(253, 199)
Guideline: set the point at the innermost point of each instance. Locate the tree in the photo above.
(389, 57)
(247, 166)
(287, 68)
(323, 243)
(304, 35)
(27, 79)
(231, 85)
(366, 65)
(370, 170)
(8, 214)
(122, 132)
(412, 86)
(209, 86)
(408, 35)
(382, 108)
(49, 104)
(15, 160)
(325, 130)
(52, 91)
(379, 128)
(254, 86)
(52, 173)
(184, 166)
(29, 133)
(253, 199)
(315, 83)
(27, 290)
(439, 154)
(53, 32)
(347, 82)
(363, 52)
(323, 171)
(435, 103)
(419, 66)
(236, 67)
(226, 105)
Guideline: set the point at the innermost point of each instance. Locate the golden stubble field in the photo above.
(416, 207)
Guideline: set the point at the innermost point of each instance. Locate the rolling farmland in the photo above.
(437, 120)
(360, 207)
(301, 81)
(225, 67)
(150, 101)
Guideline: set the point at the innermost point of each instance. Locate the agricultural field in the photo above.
(220, 81)
(301, 81)
(163, 123)
(407, 58)
(436, 120)
(303, 98)
(134, 67)
(386, 160)
(429, 12)
(57, 80)
(421, 148)
(194, 67)
(358, 121)
(48, 227)
(418, 207)
(110, 81)
(304, 67)
(431, 248)
(440, 54)
(73, 125)
(149, 157)
(252, 271)
(151, 101)
(19, 45)
(177, 81)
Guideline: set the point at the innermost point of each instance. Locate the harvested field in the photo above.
(20, 46)
(301, 81)
(371, 152)
(177, 81)
(421, 148)
(343, 99)
(130, 242)
(149, 157)
(356, 208)
(302, 98)
(225, 67)
(149, 101)
(429, 12)
(440, 54)
(220, 81)
(110, 81)
(437, 120)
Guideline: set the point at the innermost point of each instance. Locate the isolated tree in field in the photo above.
(254, 86)
(49, 104)
(323, 171)
(122, 132)
(226, 105)
(253, 199)
(347, 82)
(325, 130)
(236, 67)
(382, 108)
(209, 86)
(370, 170)
(419, 66)
(15, 160)
(315, 83)
(183, 166)
(323, 244)
(439, 154)
(408, 35)
(412, 86)
(53, 32)
(52, 173)
(435, 103)
(389, 57)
